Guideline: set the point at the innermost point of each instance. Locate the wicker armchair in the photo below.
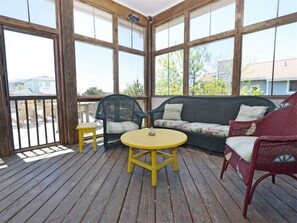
(120, 114)
(268, 144)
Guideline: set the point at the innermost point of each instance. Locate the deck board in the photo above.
(82, 205)
(214, 208)
(235, 187)
(258, 200)
(180, 208)
(129, 210)
(163, 202)
(68, 202)
(58, 184)
(53, 194)
(26, 194)
(232, 210)
(25, 167)
(96, 209)
(112, 209)
(196, 205)
(29, 170)
(146, 209)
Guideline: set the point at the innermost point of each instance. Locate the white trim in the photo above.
(288, 87)
(267, 87)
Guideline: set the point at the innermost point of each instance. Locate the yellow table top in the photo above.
(86, 125)
(164, 139)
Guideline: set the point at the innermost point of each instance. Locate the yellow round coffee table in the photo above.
(152, 145)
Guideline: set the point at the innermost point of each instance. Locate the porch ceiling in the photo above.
(149, 7)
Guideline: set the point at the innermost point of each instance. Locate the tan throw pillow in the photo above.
(172, 111)
(250, 113)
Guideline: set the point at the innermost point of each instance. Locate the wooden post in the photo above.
(68, 77)
(115, 55)
(150, 66)
(237, 49)
(186, 53)
(6, 140)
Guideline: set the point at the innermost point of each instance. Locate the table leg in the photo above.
(174, 163)
(81, 140)
(154, 167)
(131, 153)
(94, 140)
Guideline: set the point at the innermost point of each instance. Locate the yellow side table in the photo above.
(82, 128)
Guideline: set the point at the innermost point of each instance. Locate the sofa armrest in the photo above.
(241, 128)
(275, 152)
(155, 114)
(156, 110)
(281, 122)
(140, 115)
(100, 116)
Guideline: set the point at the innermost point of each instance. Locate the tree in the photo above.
(214, 87)
(246, 89)
(134, 89)
(207, 76)
(94, 91)
(198, 56)
(169, 75)
(247, 73)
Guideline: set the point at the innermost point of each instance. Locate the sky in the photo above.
(94, 63)
(28, 56)
(93, 67)
(41, 11)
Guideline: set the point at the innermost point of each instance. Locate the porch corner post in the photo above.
(6, 139)
(68, 92)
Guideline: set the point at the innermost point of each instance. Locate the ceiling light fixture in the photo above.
(134, 20)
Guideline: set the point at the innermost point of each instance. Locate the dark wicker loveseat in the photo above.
(219, 110)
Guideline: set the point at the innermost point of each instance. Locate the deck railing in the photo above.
(34, 120)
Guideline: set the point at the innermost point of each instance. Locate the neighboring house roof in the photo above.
(208, 77)
(16, 81)
(23, 92)
(283, 70)
(41, 78)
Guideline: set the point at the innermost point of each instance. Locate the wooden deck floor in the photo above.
(58, 184)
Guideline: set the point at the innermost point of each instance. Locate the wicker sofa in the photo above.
(215, 112)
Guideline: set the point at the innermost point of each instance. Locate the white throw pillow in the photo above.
(172, 111)
(250, 113)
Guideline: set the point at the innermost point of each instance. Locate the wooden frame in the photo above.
(185, 8)
(65, 62)
(6, 140)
